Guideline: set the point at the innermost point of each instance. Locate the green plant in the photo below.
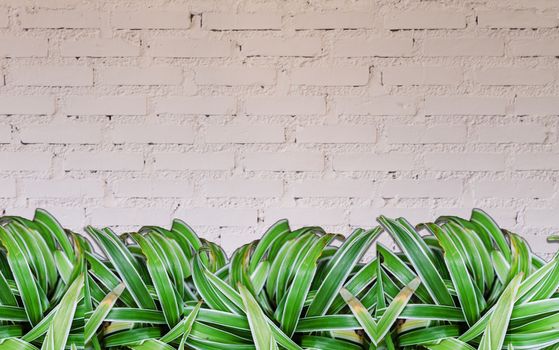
(465, 284)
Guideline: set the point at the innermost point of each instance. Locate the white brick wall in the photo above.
(231, 115)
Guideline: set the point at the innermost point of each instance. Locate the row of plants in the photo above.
(454, 284)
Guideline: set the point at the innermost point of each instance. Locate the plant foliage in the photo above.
(459, 285)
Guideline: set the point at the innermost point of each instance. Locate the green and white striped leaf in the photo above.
(261, 332)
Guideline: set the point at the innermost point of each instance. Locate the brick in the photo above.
(231, 76)
(419, 134)
(245, 133)
(418, 75)
(296, 47)
(242, 188)
(21, 211)
(5, 134)
(57, 19)
(209, 105)
(179, 47)
(504, 217)
(99, 47)
(332, 20)
(298, 217)
(13, 46)
(61, 133)
(151, 133)
(284, 161)
(69, 217)
(421, 188)
(539, 105)
(367, 216)
(373, 162)
(330, 76)
(337, 134)
(332, 188)
(195, 161)
(7, 188)
(519, 133)
(375, 47)
(51, 75)
(153, 75)
(534, 47)
(79, 160)
(129, 216)
(241, 21)
(463, 47)
(105, 105)
(464, 105)
(231, 238)
(152, 188)
(535, 4)
(541, 218)
(514, 76)
(39, 105)
(219, 216)
(22, 161)
(375, 105)
(4, 18)
(512, 189)
(150, 19)
(63, 188)
(538, 243)
(424, 19)
(465, 161)
(285, 105)
(536, 161)
(463, 212)
(517, 19)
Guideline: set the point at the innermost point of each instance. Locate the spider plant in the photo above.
(453, 283)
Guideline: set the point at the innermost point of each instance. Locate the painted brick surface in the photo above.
(231, 115)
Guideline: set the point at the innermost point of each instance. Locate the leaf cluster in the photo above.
(455, 283)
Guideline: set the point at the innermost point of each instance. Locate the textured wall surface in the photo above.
(232, 114)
